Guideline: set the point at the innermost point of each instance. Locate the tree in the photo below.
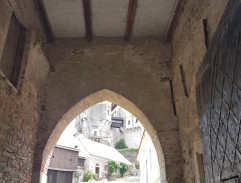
(113, 165)
(121, 144)
(123, 168)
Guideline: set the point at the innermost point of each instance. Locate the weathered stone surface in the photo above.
(19, 108)
(188, 48)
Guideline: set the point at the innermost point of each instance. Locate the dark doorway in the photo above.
(97, 169)
(219, 99)
(55, 176)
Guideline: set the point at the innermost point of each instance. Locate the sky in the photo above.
(67, 138)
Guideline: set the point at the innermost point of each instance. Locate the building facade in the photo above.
(150, 171)
(131, 129)
(107, 123)
(94, 123)
(63, 165)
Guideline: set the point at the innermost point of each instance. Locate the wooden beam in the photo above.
(130, 19)
(175, 19)
(44, 20)
(88, 20)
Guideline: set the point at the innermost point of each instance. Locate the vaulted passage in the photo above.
(174, 64)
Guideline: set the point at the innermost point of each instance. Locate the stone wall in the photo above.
(133, 136)
(131, 157)
(188, 49)
(19, 108)
(93, 161)
(96, 119)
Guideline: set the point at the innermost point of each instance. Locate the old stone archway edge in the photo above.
(102, 95)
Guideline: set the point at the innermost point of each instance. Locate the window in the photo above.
(129, 122)
(108, 112)
(136, 120)
(81, 162)
(11, 61)
(95, 133)
(106, 167)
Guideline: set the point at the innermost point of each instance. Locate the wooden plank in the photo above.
(130, 19)
(175, 19)
(44, 20)
(88, 20)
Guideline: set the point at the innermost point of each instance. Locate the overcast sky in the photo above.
(67, 138)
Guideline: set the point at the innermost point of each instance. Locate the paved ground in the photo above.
(126, 180)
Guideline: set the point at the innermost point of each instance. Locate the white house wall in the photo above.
(149, 167)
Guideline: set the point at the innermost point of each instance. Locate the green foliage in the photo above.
(127, 149)
(113, 165)
(88, 175)
(121, 144)
(76, 176)
(123, 168)
(137, 167)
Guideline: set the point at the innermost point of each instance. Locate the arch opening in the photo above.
(87, 102)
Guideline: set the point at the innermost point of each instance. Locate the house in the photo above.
(96, 156)
(63, 164)
(150, 171)
(79, 154)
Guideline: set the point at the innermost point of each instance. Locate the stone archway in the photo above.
(83, 70)
(87, 102)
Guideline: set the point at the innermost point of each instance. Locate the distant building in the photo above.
(96, 156)
(69, 164)
(94, 123)
(107, 123)
(63, 164)
(125, 125)
(149, 166)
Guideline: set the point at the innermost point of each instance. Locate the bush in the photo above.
(121, 144)
(123, 168)
(112, 165)
(127, 149)
(88, 175)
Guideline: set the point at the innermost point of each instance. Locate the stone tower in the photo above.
(94, 123)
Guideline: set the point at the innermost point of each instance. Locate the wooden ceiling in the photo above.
(108, 18)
